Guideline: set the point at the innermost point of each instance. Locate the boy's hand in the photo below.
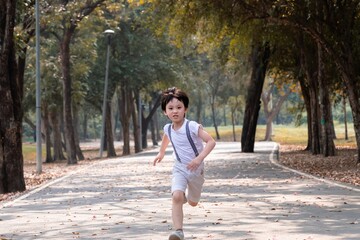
(194, 164)
(158, 159)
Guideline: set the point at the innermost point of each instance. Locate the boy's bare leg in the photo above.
(177, 209)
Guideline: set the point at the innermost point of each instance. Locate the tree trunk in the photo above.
(347, 71)
(272, 112)
(146, 121)
(345, 118)
(305, 89)
(266, 100)
(213, 116)
(306, 95)
(315, 116)
(56, 134)
(328, 146)
(136, 128)
(144, 129)
(198, 107)
(109, 132)
(124, 119)
(33, 127)
(152, 128)
(312, 88)
(78, 151)
(85, 126)
(333, 133)
(136, 131)
(259, 60)
(67, 99)
(47, 130)
(157, 128)
(69, 27)
(11, 112)
(233, 125)
(234, 107)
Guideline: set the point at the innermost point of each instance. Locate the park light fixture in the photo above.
(108, 33)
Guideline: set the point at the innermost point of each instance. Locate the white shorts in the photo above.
(193, 181)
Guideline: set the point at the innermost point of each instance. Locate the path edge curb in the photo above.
(274, 159)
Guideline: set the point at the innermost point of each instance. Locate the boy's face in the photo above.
(175, 110)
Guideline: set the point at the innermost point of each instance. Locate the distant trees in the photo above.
(271, 104)
(320, 35)
(70, 21)
(141, 64)
(202, 46)
(332, 31)
(65, 24)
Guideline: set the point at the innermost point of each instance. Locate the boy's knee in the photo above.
(178, 196)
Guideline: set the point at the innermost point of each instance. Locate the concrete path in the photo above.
(246, 196)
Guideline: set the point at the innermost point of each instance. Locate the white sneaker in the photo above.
(177, 235)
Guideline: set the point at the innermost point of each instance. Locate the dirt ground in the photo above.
(343, 167)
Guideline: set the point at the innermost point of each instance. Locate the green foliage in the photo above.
(83, 51)
(138, 56)
(200, 46)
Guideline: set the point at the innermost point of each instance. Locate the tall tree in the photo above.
(259, 60)
(51, 96)
(338, 37)
(272, 105)
(73, 14)
(235, 103)
(11, 113)
(140, 63)
(223, 21)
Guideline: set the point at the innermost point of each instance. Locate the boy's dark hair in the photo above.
(171, 93)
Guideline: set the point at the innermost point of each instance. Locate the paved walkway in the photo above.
(246, 196)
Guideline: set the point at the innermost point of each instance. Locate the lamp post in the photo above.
(38, 93)
(140, 122)
(108, 34)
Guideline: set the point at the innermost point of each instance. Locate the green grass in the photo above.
(29, 152)
(283, 134)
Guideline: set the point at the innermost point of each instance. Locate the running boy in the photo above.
(187, 139)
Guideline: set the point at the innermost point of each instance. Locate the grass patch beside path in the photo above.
(284, 134)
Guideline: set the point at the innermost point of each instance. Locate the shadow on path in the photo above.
(244, 197)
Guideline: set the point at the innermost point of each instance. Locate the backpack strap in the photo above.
(191, 141)
(169, 133)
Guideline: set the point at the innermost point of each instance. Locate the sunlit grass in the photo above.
(29, 152)
(283, 134)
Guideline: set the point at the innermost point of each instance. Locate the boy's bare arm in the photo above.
(164, 143)
(209, 146)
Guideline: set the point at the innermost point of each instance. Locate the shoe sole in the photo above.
(173, 237)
